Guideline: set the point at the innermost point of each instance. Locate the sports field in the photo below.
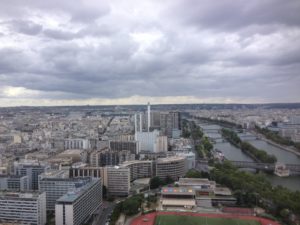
(192, 220)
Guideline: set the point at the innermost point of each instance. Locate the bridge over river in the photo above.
(294, 168)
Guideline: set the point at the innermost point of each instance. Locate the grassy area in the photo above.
(194, 220)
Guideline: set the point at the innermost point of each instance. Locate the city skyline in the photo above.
(132, 52)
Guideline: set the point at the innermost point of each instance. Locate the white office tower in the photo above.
(27, 208)
(141, 122)
(76, 207)
(149, 122)
(135, 123)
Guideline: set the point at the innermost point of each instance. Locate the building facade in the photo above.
(174, 167)
(13, 183)
(139, 169)
(55, 185)
(117, 180)
(132, 146)
(32, 171)
(76, 207)
(23, 208)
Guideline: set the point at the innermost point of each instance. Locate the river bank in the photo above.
(286, 148)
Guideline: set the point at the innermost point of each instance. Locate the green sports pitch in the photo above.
(197, 220)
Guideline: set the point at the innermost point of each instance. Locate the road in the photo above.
(101, 219)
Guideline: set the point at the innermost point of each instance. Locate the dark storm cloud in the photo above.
(91, 49)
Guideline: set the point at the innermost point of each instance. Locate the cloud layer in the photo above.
(126, 52)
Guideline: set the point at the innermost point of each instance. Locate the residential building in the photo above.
(117, 180)
(76, 144)
(173, 167)
(139, 168)
(28, 208)
(32, 170)
(76, 207)
(132, 146)
(13, 183)
(57, 183)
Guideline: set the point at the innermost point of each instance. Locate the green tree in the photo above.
(169, 180)
(155, 182)
(131, 206)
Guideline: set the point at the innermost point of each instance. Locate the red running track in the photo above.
(149, 219)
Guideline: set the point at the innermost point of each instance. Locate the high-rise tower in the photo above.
(149, 122)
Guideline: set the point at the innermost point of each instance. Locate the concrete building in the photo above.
(190, 159)
(132, 146)
(77, 207)
(174, 167)
(139, 169)
(161, 144)
(147, 140)
(169, 121)
(27, 208)
(76, 155)
(117, 180)
(13, 183)
(76, 144)
(57, 183)
(107, 157)
(86, 171)
(32, 170)
(207, 193)
(177, 197)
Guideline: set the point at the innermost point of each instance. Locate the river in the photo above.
(235, 154)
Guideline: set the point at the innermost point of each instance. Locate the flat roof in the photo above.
(71, 196)
(127, 163)
(24, 195)
(222, 191)
(72, 151)
(179, 202)
(143, 181)
(170, 159)
(177, 191)
(195, 181)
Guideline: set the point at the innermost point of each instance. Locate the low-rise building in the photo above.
(178, 197)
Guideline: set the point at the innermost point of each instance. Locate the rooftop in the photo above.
(127, 163)
(24, 195)
(170, 159)
(71, 196)
(195, 181)
(177, 191)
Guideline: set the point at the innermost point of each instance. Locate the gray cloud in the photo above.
(231, 15)
(228, 49)
(26, 27)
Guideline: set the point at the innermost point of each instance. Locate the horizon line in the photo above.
(155, 104)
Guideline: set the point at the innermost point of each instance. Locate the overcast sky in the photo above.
(70, 52)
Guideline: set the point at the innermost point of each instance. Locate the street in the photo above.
(107, 210)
